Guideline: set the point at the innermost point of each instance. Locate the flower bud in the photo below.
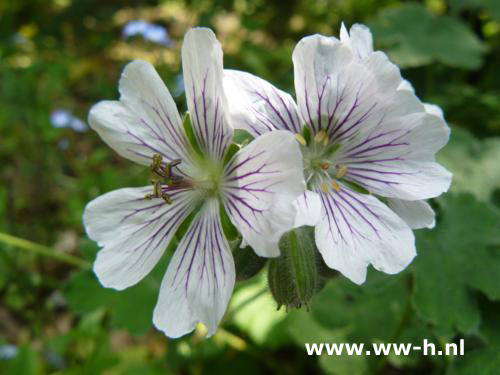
(293, 276)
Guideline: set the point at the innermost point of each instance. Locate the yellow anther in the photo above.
(321, 136)
(324, 165)
(300, 139)
(324, 187)
(341, 170)
(335, 186)
(325, 141)
(166, 198)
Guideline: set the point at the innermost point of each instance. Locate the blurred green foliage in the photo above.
(55, 319)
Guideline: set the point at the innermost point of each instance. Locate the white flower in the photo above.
(256, 188)
(365, 133)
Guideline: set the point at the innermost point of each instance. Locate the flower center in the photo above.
(319, 162)
(208, 177)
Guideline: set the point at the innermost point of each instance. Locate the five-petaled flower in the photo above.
(362, 129)
(256, 187)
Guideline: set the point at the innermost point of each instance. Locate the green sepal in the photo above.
(228, 228)
(242, 137)
(231, 151)
(306, 132)
(191, 137)
(354, 186)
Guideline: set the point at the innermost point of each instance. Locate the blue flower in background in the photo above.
(149, 31)
(60, 118)
(63, 118)
(8, 351)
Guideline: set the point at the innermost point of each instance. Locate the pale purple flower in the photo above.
(157, 34)
(60, 118)
(134, 226)
(149, 31)
(135, 27)
(367, 131)
(8, 351)
(63, 118)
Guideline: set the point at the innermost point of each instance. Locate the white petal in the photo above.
(343, 94)
(396, 158)
(434, 109)
(199, 279)
(406, 86)
(257, 106)
(429, 108)
(145, 121)
(357, 230)
(202, 69)
(417, 214)
(308, 206)
(133, 232)
(262, 181)
(359, 39)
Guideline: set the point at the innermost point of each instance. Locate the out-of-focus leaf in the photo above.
(415, 37)
(303, 328)
(454, 258)
(130, 309)
(479, 362)
(474, 163)
(491, 6)
(377, 312)
(26, 362)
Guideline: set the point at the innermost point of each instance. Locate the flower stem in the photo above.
(43, 250)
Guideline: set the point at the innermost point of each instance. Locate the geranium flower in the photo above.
(361, 132)
(134, 225)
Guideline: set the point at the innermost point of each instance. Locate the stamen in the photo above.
(341, 170)
(163, 174)
(335, 186)
(324, 187)
(324, 165)
(300, 139)
(166, 198)
(321, 136)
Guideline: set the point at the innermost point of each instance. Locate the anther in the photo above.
(321, 136)
(166, 198)
(324, 187)
(341, 170)
(300, 139)
(335, 186)
(324, 165)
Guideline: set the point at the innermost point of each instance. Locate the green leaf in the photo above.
(454, 258)
(474, 163)
(131, 309)
(26, 362)
(415, 37)
(376, 312)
